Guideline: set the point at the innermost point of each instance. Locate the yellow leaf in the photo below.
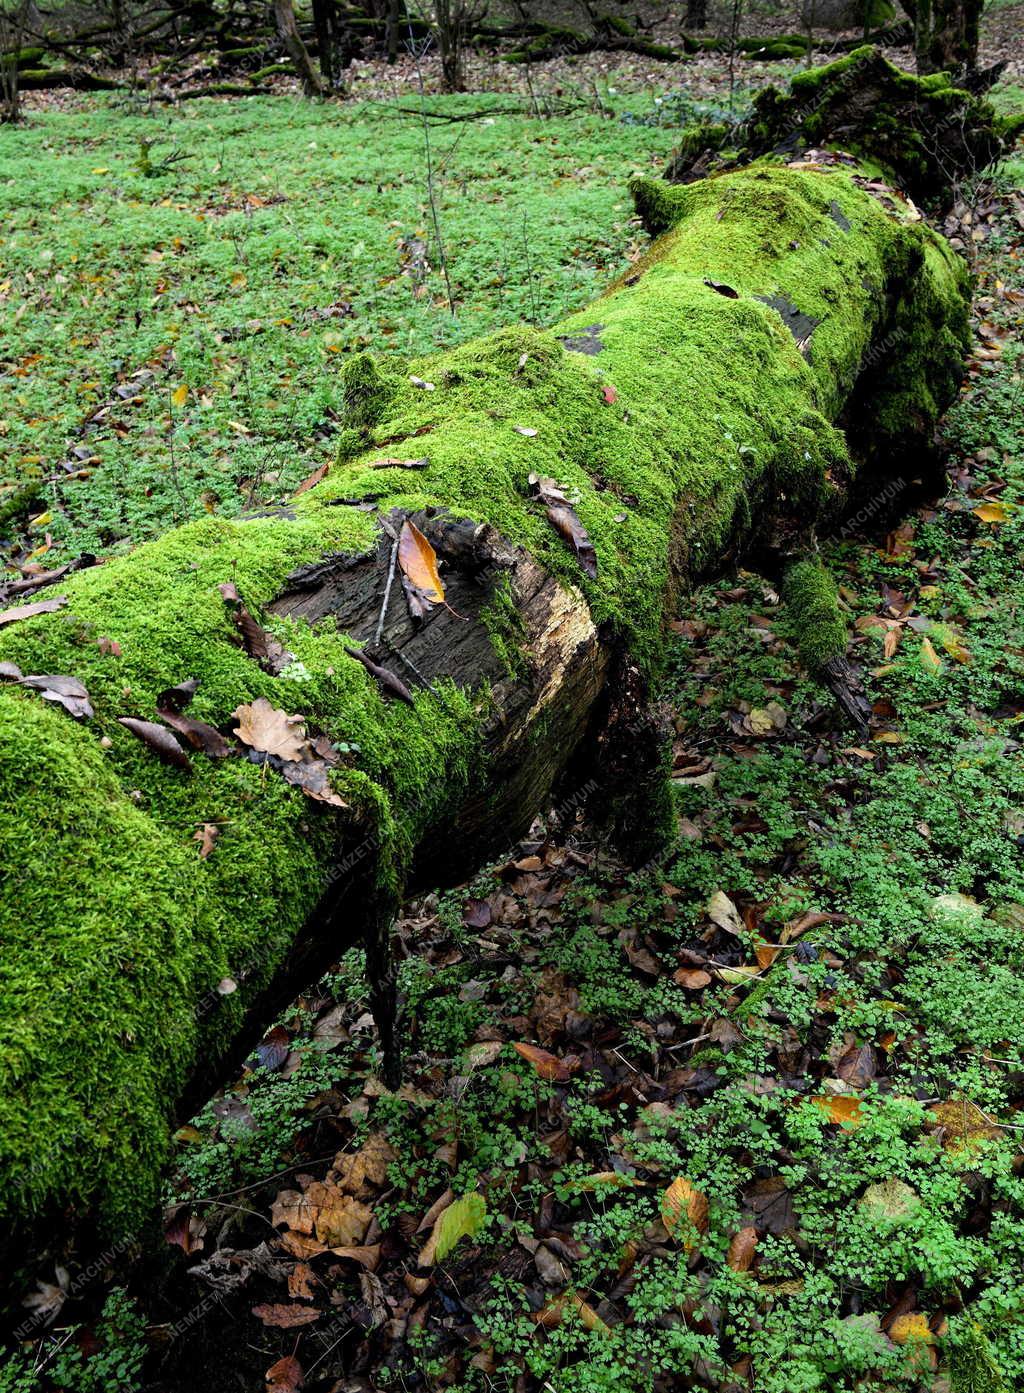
(418, 561)
(460, 1219)
(992, 512)
(930, 660)
(101, 169)
(180, 395)
(913, 1326)
(684, 1201)
(843, 1107)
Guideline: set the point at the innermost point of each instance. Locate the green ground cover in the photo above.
(287, 236)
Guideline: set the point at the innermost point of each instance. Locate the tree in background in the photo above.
(946, 34)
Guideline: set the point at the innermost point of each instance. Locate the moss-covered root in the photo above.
(691, 407)
(972, 1368)
(813, 604)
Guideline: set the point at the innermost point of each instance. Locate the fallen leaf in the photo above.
(930, 660)
(564, 520)
(285, 1317)
(180, 395)
(528, 431)
(385, 678)
(842, 1107)
(551, 1313)
(460, 1219)
(159, 739)
(547, 1065)
(725, 290)
(418, 561)
(741, 1250)
(684, 1201)
(206, 836)
(610, 394)
(692, 978)
(65, 691)
(993, 512)
(721, 911)
(199, 735)
(311, 480)
(286, 1375)
(270, 730)
(422, 463)
(313, 777)
(11, 616)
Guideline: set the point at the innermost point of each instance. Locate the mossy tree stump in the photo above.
(687, 412)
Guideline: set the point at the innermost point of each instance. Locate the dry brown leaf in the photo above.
(285, 1317)
(159, 739)
(285, 1376)
(300, 1282)
(355, 1170)
(270, 730)
(11, 616)
(293, 1209)
(552, 1312)
(692, 978)
(742, 1247)
(340, 1221)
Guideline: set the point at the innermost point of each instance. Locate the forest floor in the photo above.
(747, 1118)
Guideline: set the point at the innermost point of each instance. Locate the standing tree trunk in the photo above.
(946, 35)
(284, 17)
(12, 31)
(162, 900)
(696, 14)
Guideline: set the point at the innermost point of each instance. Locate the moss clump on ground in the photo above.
(813, 603)
(972, 1368)
(696, 409)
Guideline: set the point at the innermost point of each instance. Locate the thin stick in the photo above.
(387, 592)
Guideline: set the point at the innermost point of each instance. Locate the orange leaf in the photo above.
(548, 1066)
(843, 1107)
(418, 561)
(610, 394)
(683, 1200)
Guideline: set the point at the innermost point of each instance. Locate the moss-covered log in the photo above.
(926, 131)
(691, 409)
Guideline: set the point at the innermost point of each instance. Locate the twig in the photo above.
(387, 590)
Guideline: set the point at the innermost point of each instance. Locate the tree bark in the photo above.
(946, 37)
(284, 17)
(690, 412)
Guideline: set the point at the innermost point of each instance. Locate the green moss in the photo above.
(972, 1367)
(813, 602)
(896, 129)
(113, 927)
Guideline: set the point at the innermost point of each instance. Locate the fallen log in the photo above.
(169, 879)
(928, 133)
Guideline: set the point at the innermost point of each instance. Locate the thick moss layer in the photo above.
(670, 411)
(813, 604)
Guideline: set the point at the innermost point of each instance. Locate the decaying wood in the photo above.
(578, 689)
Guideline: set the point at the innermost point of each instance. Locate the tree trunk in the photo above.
(946, 38)
(696, 14)
(157, 912)
(284, 17)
